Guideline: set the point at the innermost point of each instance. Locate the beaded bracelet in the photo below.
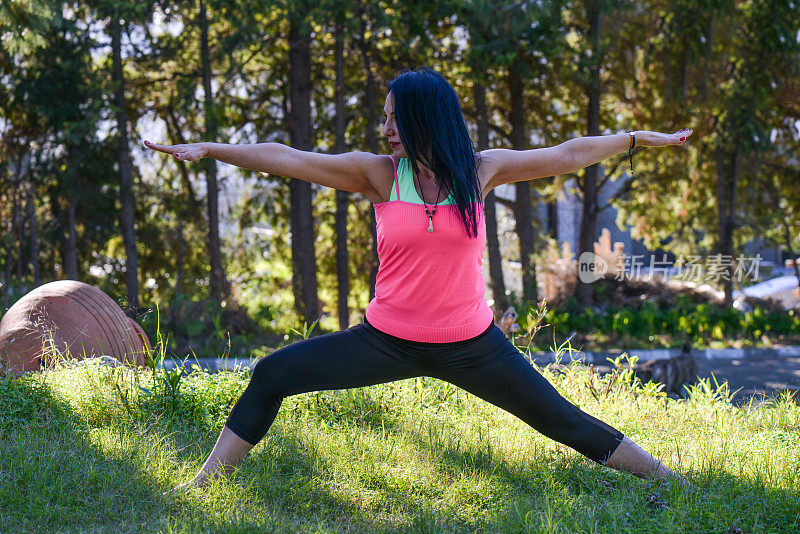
(630, 150)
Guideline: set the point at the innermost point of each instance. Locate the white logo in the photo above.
(591, 267)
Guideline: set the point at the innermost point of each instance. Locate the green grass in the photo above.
(93, 450)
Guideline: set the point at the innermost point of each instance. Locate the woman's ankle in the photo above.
(228, 452)
(631, 458)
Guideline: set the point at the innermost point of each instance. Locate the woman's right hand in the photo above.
(188, 152)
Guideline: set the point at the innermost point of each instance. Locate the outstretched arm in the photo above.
(502, 166)
(351, 171)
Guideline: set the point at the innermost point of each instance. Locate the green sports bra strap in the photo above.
(396, 185)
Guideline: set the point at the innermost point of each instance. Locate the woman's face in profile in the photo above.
(389, 129)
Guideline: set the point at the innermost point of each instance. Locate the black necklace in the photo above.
(430, 214)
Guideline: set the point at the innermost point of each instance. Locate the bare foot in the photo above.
(228, 452)
(631, 458)
(195, 483)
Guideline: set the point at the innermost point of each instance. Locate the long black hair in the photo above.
(433, 132)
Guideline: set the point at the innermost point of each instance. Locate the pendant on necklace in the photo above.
(430, 223)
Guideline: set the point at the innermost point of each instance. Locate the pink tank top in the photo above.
(430, 285)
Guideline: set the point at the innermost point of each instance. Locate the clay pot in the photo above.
(72, 319)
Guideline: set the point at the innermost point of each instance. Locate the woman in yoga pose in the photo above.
(429, 316)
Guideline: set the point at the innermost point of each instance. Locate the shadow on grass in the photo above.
(568, 493)
(294, 480)
(55, 474)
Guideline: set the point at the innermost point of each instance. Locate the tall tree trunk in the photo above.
(70, 241)
(498, 283)
(727, 180)
(342, 198)
(176, 291)
(304, 268)
(523, 210)
(19, 226)
(372, 139)
(30, 208)
(14, 226)
(174, 130)
(181, 255)
(591, 175)
(7, 237)
(127, 214)
(220, 289)
(552, 219)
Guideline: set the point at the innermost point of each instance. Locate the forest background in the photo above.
(217, 255)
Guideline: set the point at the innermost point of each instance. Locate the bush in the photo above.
(652, 325)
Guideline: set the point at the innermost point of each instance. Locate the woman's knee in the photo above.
(269, 374)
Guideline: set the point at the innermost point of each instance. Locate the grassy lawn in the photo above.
(94, 449)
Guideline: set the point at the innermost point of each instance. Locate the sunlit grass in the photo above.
(417, 455)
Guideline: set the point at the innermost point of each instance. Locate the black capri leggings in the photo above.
(488, 366)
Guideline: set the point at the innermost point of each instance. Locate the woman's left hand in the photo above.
(645, 138)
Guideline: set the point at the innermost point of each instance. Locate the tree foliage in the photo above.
(727, 69)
